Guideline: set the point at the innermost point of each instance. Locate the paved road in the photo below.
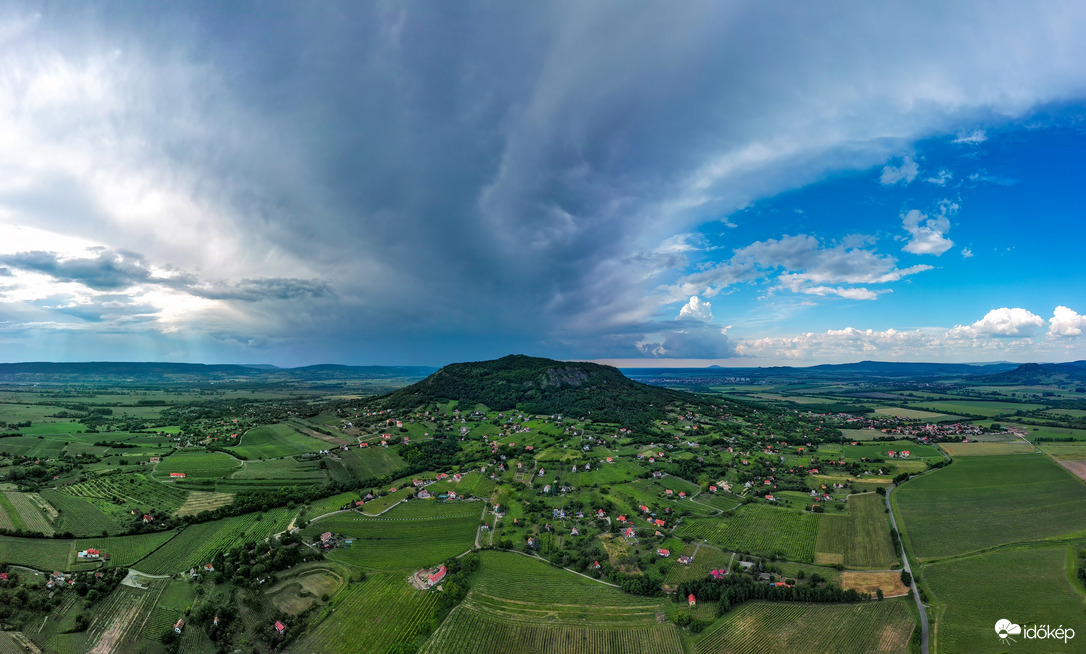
(905, 564)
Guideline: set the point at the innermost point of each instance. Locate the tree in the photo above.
(878, 592)
(906, 578)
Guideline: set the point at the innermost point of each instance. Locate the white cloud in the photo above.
(903, 174)
(967, 253)
(696, 310)
(975, 137)
(1066, 322)
(835, 343)
(1000, 323)
(940, 179)
(927, 232)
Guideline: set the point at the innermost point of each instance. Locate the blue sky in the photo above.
(421, 182)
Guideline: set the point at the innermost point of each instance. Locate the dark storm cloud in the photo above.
(488, 173)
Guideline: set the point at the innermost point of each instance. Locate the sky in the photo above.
(645, 184)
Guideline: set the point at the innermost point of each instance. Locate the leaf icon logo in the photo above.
(1005, 629)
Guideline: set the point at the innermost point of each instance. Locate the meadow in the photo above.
(832, 542)
(275, 441)
(869, 545)
(375, 616)
(766, 628)
(758, 529)
(371, 462)
(408, 537)
(197, 465)
(983, 501)
(988, 449)
(1024, 585)
(978, 407)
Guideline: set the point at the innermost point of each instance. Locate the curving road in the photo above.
(905, 565)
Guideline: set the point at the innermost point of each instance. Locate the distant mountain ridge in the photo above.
(165, 372)
(1040, 373)
(543, 386)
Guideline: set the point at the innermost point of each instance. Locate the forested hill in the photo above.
(543, 386)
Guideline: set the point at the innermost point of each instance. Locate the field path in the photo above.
(905, 565)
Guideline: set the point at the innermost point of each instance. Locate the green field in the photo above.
(275, 441)
(832, 543)
(869, 545)
(758, 529)
(131, 491)
(79, 516)
(197, 544)
(412, 535)
(901, 412)
(984, 501)
(371, 462)
(977, 407)
(768, 628)
(285, 472)
(1023, 585)
(373, 616)
(197, 465)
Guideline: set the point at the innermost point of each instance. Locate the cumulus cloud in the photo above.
(693, 342)
(1001, 323)
(834, 343)
(1066, 322)
(802, 264)
(927, 233)
(967, 253)
(697, 310)
(941, 178)
(903, 174)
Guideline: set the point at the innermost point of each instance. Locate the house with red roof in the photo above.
(692, 600)
(177, 475)
(664, 553)
(436, 577)
(280, 627)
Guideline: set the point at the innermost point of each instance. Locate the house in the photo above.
(664, 553)
(179, 625)
(574, 532)
(643, 508)
(712, 489)
(363, 444)
(596, 565)
(89, 553)
(4, 576)
(177, 475)
(628, 532)
(658, 522)
(771, 498)
(600, 514)
(746, 565)
(691, 600)
(682, 494)
(452, 495)
(147, 517)
(326, 537)
(610, 460)
(685, 560)
(280, 627)
(424, 494)
(622, 518)
(209, 567)
(436, 577)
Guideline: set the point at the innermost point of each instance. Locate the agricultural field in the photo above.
(125, 551)
(38, 553)
(199, 501)
(871, 582)
(284, 472)
(705, 559)
(984, 408)
(1024, 585)
(198, 544)
(988, 449)
(984, 501)
(197, 466)
(767, 628)
(117, 623)
(130, 491)
(869, 545)
(276, 441)
(832, 542)
(469, 630)
(375, 616)
(758, 529)
(77, 515)
(410, 536)
(385, 502)
(60, 554)
(901, 412)
(371, 462)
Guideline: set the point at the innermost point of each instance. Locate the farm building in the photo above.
(280, 627)
(436, 577)
(692, 600)
(179, 625)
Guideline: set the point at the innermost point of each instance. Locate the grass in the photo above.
(987, 449)
(1024, 585)
(197, 465)
(275, 441)
(131, 491)
(832, 541)
(758, 529)
(371, 462)
(375, 616)
(287, 472)
(984, 501)
(34, 511)
(765, 628)
(408, 537)
(901, 412)
(379, 504)
(869, 544)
